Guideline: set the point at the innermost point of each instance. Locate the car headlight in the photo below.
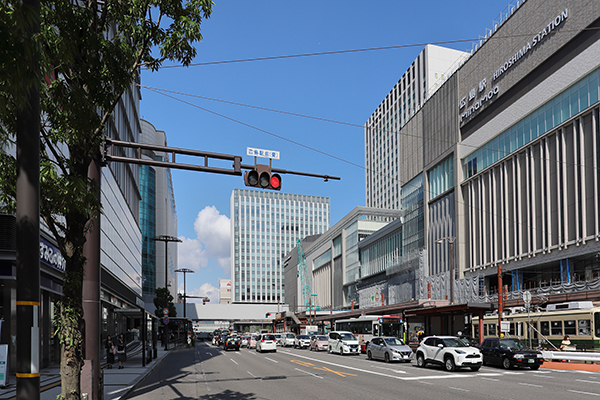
(518, 356)
(459, 351)
(539, 356)
(396, 351)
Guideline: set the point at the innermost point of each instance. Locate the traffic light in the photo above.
(262, 177)
(267, 315)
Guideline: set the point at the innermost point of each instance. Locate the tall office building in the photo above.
(224, 291)
(265, 226)
(383, 154)
(158, 217)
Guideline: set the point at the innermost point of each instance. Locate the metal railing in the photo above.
(572, 355)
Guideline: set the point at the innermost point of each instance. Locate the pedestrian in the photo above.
(566, 343)
(110, 351)
(121, 351)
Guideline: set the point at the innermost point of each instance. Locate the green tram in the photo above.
(580, 320)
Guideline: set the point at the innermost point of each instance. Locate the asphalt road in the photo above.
(208, 372)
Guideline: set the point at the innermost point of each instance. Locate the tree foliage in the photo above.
(88, 53)
(163, 300)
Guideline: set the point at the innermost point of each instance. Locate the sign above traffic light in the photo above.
(262, 177)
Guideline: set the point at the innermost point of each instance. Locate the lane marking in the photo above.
(308, 373)
(251, 374)
(580, 392)
(584, 381)
(342, 374)
(455, 388)
(393, 370)
(530, 384)
(270, 359)
(491, 379)
(235, 362)
(426, 383)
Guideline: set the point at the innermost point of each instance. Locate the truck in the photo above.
(309, 330)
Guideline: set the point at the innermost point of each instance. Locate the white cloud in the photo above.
(213, 241)
(206, 290)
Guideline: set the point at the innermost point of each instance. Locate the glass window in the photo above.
(570, 327)
(545, 328)
(556, 328)
(491, 329)
(584, 327)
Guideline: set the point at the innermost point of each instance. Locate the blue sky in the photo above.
(344, 87)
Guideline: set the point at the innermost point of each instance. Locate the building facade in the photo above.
(383, 154)
(500, 166)
(224, 291)
(158, 217)
(332, 261)
(265, 226)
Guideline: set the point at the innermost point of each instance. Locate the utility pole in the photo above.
(28, 224)
(184, 271)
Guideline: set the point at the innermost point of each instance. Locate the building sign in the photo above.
(482, 94)
(50, 255)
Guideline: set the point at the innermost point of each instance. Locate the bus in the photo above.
(580, 320)
(366, 327)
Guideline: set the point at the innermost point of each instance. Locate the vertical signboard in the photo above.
(3, 365)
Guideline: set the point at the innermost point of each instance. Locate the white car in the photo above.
(288, 339)
(266, 342)
(448, 351)
(302, 341)
(343, 343)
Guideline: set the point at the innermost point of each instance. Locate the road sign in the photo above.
(504, 326)
(3, 365)
(527, 296)
(262, 153)
(166, 311)
(166, 320)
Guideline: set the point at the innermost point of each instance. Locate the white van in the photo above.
(343, 342)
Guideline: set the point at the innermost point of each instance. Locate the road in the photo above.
(208, 372)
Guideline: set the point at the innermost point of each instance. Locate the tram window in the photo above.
(570, 327)
(485, 329)
(583, 327)
(534, 330)
(491, 329)
(556, 328)
(545, 328)
(597, 323)
(512, 329)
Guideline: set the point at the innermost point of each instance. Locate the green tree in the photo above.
(89, 53)
(163, 300)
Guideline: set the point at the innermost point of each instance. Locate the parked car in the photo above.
(318, 342)
(302, 341)
(288, 339)
(342, 342)
(510, 353)
(389, 349)
(448, 351)
(266, 342)
(232, 342)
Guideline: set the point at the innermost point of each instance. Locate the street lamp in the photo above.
(185, 271)
(450, 240)
(166, 239)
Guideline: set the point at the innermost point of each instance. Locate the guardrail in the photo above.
(572, 355)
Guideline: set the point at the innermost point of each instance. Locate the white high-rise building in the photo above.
(425, 75)
(265, 226)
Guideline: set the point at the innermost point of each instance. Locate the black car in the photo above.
(510, 353)
(232, 342)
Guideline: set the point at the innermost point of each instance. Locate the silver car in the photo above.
(389, 349)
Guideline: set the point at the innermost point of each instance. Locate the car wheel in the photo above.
(329, 350)
(369, 356)
(506, 363)
(475, 369)
(386, 358)
(449, 364)
(535, 367)
(421, 360)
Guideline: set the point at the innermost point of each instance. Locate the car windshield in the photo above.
(347, 336)
(302, 337)
(269, 337)
(512, 344)
(394, 341)
(321, 338)
(453, 342)
(290, 335)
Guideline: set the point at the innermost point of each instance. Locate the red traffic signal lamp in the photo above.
(262, 177)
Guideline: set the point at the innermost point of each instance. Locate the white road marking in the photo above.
(584, 381)
(251, 374)
(491, 379)
(580, 392)
(270, 359)
(455, 388)
(426, 383)
(306, 372)
(393, 370)
(530, 384)
(234, 361)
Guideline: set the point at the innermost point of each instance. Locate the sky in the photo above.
(311, 108)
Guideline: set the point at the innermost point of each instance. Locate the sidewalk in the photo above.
(117, 382)
(572, 366)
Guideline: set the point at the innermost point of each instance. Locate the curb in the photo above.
(141, 377)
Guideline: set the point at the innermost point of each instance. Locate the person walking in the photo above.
(110, 351)
(121, 351)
